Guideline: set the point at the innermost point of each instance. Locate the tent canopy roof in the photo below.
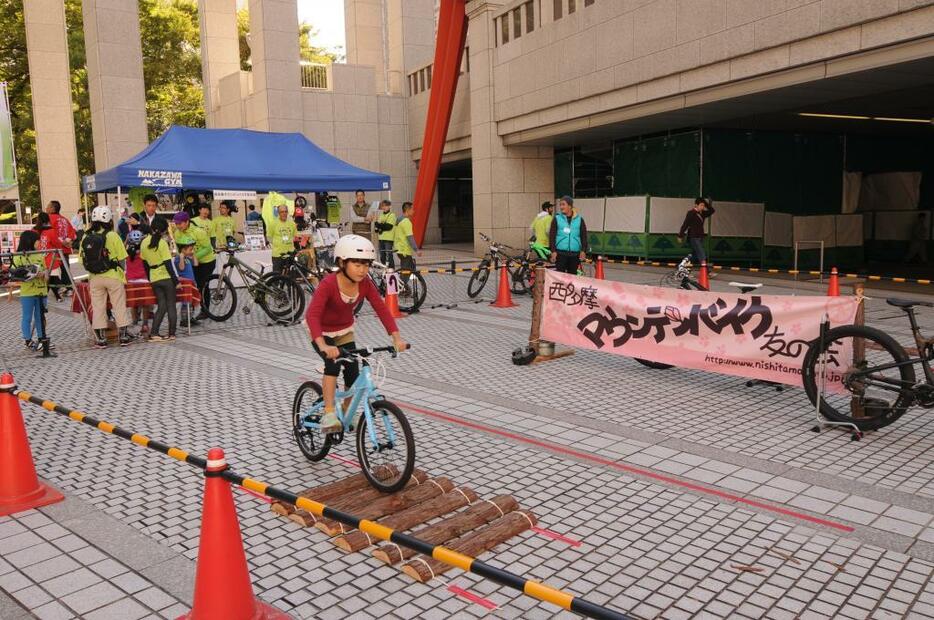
(235, 159)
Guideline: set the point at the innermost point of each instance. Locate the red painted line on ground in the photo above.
(473, 598)
(344, 461)
(556, 536)
(255, 494)
(646, 473)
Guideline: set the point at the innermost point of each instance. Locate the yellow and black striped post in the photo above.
(535, 589)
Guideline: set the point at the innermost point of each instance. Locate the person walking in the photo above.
(404, 241)
(102, 254)
(155, 253)
(204, 252)
(385, 225)
(567, 237)
(693, 227)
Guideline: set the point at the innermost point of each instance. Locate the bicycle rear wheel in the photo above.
(284, 302)
(478, 279)
(388, 462)
(222, 298)
(858, 387)
(313, 444)
(412, 293)
(519, 278)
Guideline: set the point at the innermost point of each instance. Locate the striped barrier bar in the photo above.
(535, 589)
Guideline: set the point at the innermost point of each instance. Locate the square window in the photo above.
(529, 16)
(572, 6)
(504, 28)
(517, 23)
(559, 7)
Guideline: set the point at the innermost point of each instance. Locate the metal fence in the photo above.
(315, 75)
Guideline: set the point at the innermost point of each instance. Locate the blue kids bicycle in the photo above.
(385, 445)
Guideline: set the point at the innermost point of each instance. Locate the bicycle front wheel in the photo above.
(222, 297)
(866, 380)
(283, 300)
(519, 277)
(386, 448)
(313, 444)
(478, 279)
(412, 293)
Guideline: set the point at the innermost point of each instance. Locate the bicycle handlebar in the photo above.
(368, 351)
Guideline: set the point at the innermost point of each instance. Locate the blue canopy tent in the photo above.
(234, 159)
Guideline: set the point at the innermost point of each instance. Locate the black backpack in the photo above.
(94, 253)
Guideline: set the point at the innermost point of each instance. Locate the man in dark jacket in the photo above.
(567, 237)
(693, 226)
(149, 215)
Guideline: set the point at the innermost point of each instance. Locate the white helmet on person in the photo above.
(354, 246)
(102, 214)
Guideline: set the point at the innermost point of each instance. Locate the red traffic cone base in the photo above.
(222, 582)
(598, 271)
(833, 288)
(20, 488)
(503, 294)
(702, 278)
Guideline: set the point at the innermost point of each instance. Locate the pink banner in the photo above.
(755, 336)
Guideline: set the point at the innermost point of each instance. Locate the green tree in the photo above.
(306, 50)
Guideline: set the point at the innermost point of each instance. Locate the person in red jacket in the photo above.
(67, 234)
(49, 240)
(330, 317)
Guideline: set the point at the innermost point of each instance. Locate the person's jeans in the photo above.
(165, 298)
(698, 255)
(32, 313)
(385, 254)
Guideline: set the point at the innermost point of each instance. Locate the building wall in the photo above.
(613, 55)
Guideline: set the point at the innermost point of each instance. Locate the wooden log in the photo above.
(859, 348)
(410, 517)
(351, 501)
(334, 489)
(479, 513)
(388, 504)
(538, 294)
(423, 568)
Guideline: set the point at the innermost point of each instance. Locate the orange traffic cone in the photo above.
(833, 289)
(222, 581)
(20, 489)
(598, 272)
(392, 296)
(503, 294)
(702, 278)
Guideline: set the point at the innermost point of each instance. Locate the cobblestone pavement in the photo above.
(677, 493)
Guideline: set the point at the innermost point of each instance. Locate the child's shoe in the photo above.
(330, 423)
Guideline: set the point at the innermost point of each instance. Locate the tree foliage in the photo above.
(171, 69)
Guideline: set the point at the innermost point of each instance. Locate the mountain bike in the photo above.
(384, 441)
(279, 297)
(682, 277)
(868, 378)
(412, 288)
(496, 255)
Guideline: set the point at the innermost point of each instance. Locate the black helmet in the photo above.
(24, 273)
(523, 356)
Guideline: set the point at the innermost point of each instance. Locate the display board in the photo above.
(9, 236)
(625, 214)
(849, 230)
(779, 229)
(593, 211)
(895, 225)
(737, 219)
(667, 214)
(816, 228)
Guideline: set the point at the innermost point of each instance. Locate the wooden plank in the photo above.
(349, 502)
(477, 514)
(410, 517)
(334, 489)
(388, 504)
(423, 568)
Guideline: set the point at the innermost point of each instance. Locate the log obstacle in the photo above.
(388, 504)
(409, 518)
(327, 492)
(352, 499)
(423, 568)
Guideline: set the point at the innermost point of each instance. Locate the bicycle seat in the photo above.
(746, 287)
(907, 304)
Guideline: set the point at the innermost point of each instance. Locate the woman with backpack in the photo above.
(162, 276)
(102, 254)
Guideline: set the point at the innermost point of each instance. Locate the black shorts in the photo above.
(332, 368)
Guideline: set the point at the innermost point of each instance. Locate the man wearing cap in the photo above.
(204, 252)
(541, 225)
(567, 237)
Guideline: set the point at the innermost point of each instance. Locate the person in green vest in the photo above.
(386, 227)
(154, 250)
(33, 293)
(541, 225)
(404, 240)
(282, 235)
(224, 225)
(103, 255)
(205, 223)
(204, 252)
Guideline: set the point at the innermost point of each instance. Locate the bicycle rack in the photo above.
(820, 422)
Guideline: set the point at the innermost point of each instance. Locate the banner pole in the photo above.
(538, 294)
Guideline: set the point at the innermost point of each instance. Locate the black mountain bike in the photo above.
(496, 255)
(868, 378)
(682, 277)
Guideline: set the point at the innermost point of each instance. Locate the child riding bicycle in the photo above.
(330, 317)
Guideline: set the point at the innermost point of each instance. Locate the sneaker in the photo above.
(100, 344)
(330, 423)
(171, 338)
(29, 344)
(125, 341)
(157, 338)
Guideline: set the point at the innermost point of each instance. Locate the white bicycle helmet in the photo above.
(354, 246)
(102, 214)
